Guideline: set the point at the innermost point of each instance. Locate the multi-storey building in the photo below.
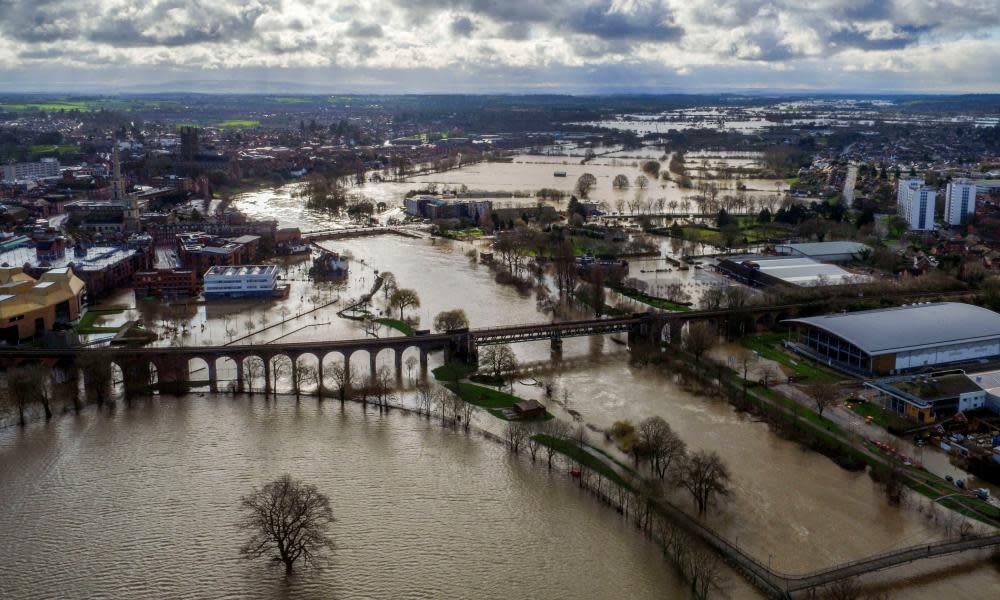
(46, 167)
(915, 203)
(248, 281)
(959, 202)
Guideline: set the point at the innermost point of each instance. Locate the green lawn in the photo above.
(576, 453)
(653, 301)
(473, 233)
(400, 326)
(61, 149)
(494, 401)
(452, 371)
(882, 417)
(86, 324)
(239, 123)
(769, 346)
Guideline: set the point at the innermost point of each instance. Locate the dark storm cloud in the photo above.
(462, 26)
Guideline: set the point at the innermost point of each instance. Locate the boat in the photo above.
(559, 174)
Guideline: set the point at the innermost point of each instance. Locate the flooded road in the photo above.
(142, 503)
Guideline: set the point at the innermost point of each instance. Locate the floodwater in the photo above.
(142, 503)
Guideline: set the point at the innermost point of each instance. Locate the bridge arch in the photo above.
(200, 375)
(305, 375)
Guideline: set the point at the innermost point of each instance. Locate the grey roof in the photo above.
(889, 330)
(825, 248)
(799, 270)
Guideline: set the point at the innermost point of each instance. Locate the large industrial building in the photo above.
(766, 271)
(894, 340)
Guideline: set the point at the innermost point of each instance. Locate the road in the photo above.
(849, 181)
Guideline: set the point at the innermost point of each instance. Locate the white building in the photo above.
(47, 167)
(247, 281)
(959, 201)
(915, 203)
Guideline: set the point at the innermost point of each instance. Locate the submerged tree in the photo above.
(288, 522)
(402, 299)
(705, 476)
(449, 320)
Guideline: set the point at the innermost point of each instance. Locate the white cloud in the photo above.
(785, 43)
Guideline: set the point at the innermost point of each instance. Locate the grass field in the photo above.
(61, 149)
(239, 123)
(494, 401)
(579, 455)
(655, 302)
(400, 326)
(86, 324)
(769, 346)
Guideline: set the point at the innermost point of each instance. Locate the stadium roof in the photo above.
(913, 327)
(799, 270)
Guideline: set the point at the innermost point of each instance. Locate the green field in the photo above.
(494, 401)
(400, 326)
(86, 324)
(578, 454)
(769, 346)
(87, 104)
(239, 123)
(655, 302)
(61, 149)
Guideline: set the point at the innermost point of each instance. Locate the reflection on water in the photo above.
(141, 504)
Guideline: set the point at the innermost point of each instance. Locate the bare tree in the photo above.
(304, 375)
(824, 394)
(662, 444)
(516, 434)
(498, 359)
(768, 375)
(253, 369)
(411, 363)
(388, 283)
(699, 339)
(425, 398)
(705, 476)
(555, 429)
(288, 521)
(343, 379)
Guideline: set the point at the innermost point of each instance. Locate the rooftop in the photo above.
(97, 258)
(825, 248)
(221, 271)
(799, 270)
(913, 327)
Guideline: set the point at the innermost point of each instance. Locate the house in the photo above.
(529, 409)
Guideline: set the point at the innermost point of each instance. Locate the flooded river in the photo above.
(142, 504)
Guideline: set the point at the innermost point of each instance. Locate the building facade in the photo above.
(959, 202)
(896, 340)
(30, 307)
(26, 171)
(248, 281)
(915, 203)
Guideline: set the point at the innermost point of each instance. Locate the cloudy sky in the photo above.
(563, 46)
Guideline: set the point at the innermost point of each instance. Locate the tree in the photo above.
(498, 359)
(619, 182)
(641, 182)
(824, 394)
(585, 184)
(343, 379)
(661, 443)
(516, 434)
(556, 429)
(699, 339)
(705, 476)
(388, 283)
(403, 298)
(450, 320)
(288, 521)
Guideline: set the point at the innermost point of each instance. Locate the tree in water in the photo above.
(403, 298)
(705, 476)
(584, 185)
(288, 521)
(450, 320)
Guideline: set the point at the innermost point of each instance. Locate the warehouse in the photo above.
(893, 340)
(825, 251)
(766, 271)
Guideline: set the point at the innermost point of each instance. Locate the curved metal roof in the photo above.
(913, 327)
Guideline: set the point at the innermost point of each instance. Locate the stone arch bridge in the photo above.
(171, 364)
